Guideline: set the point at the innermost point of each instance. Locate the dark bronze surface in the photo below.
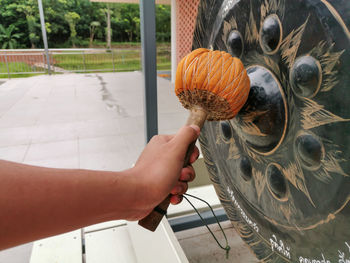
(281, 168)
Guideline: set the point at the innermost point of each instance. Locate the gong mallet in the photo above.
(214, 86)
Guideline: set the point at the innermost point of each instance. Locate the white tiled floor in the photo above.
(92, 121)
(62, 154)
(83, 121)
(115, 153)
(14, 153)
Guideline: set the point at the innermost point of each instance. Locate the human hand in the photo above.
(159, 169)
(74, 198)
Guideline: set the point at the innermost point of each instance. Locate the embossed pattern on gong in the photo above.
(282, 167)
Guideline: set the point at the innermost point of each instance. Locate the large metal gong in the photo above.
(282, 167)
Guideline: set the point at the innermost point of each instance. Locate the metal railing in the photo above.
(33, 61)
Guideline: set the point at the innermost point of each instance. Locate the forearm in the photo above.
(36, 202)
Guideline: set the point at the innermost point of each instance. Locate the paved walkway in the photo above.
(90, 121)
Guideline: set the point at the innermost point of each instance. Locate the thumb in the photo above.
(184, 137)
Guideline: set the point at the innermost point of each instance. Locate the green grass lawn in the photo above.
(125, 58)
(120, 45)
(18, 70)
(120, 60)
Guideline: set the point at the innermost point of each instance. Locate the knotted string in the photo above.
(226, 247)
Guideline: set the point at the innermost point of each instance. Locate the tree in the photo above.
(128, 19)
(8, 39)
(93, 26)
(72, 18)
(107, 12)
(10, 15)
(29, 8)
(34, 37)
(58, 32)
(69, 21)
(163, 26)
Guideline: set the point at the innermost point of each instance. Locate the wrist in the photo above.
(131, 195)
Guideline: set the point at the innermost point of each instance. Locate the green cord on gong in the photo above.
(226, 247)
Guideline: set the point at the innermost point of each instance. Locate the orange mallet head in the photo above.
(214, 81)
(213, 85)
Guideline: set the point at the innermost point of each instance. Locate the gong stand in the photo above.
(281, 168)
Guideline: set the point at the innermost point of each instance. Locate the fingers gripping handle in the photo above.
(151, 221)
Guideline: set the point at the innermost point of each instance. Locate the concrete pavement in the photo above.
(89, 121)
(92, 121)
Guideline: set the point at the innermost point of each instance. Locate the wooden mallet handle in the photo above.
(151, 222)
(218, 83)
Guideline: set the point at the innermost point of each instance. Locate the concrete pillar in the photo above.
(149, 65)
(173, 41)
